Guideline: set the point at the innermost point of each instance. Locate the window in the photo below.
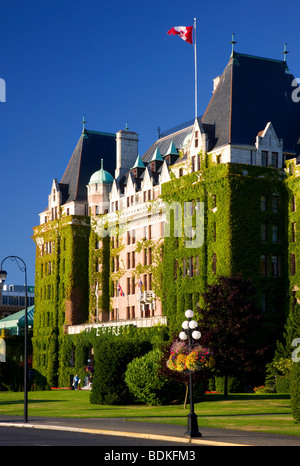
(128, 286)
(214, 201)
(214, 263)
(293, 204)
(275, 266)
(150, 255)
(145, 281)
(150, 281)
(191, 266)
(193, 164)
(294, 232)
(133, 259)
(275, 204)
(274, 233)
(196, 139)
(264, 232)
(264, 301)
(292, 264)
(264, 158)
(263, 203)
(214, 232)
(264, 264)
(275, 159)
(132, 312)
(128, 260)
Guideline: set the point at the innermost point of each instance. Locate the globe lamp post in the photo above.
(191, 333)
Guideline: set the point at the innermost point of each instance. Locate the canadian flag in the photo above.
(185, 32)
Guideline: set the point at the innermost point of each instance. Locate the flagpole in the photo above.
(195, 53)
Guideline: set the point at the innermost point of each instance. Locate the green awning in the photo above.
(17, 320)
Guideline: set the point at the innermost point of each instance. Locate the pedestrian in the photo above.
(76, 381)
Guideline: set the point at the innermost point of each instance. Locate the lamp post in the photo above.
(190, 333)
(22, 266)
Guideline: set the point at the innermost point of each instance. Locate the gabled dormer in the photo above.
(172, 154)
(156, 161)
(269, 148)
(164, 176)
(130, 185)
(54, 201)
(138, 167)
(147, 182)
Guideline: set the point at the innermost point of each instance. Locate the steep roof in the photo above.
(253, 91)
(179, 139)
(85, 160)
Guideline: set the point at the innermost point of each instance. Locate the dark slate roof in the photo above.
(179, 138)
(253, 91)
(86, 160)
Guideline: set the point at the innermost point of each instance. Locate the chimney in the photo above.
(127, 152)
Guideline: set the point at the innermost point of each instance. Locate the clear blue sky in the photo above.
(114, 62)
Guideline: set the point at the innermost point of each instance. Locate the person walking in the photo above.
(76, 381)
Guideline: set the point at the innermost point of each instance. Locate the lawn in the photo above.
(261, 413)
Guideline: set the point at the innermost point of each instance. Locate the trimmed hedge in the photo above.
(295, 391)
(109, 387)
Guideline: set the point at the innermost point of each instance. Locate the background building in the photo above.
(12, 299)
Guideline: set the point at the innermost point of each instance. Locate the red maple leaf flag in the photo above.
(185, 32)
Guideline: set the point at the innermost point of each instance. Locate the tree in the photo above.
(230, 323)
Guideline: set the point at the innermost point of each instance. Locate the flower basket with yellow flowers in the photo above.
(199, 358)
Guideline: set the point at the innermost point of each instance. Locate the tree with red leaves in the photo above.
(230, 324)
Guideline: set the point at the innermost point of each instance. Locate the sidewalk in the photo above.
(155, 431)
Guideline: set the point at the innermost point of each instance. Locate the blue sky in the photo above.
(114, 62)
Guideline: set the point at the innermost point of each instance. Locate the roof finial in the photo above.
(126, 127)
(101, 164)
(285, 52)
(83, 123)
(232, 43)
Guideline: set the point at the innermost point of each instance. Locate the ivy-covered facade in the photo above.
(130, 240)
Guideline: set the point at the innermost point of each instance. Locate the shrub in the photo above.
(111, 362)
(145, 382)
(295, 390)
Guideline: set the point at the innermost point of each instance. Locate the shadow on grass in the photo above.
(20, 402)
(238, 396)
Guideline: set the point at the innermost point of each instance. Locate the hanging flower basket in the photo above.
(200, 358)
(181, 360)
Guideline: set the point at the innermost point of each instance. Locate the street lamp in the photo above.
(3, 275)
(190, 333)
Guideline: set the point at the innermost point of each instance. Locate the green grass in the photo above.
(260, 413)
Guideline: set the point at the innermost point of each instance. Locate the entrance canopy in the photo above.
(15, 322)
